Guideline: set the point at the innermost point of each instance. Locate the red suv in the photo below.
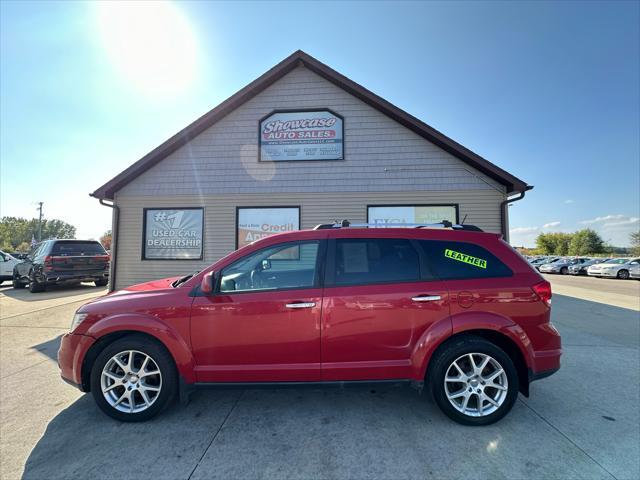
(455, 311)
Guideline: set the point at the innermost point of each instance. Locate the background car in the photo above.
(537, 263)
(62, 261)
(614, 268)
(561, 265)
(581, 268)
(7, 262)
(634, 271)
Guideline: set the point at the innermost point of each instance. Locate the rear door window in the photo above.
(461, 260)
(77, 249)
(362, 261)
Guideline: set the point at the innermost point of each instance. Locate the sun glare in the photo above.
(151, 44)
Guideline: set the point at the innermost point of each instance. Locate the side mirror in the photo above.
(206, 284)
(266, 264)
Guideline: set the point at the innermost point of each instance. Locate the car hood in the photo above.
(147, 286)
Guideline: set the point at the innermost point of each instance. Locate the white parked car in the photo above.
(7, 262)
(634, 271)
(614, 268)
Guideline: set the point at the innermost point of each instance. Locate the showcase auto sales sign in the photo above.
(301, 135)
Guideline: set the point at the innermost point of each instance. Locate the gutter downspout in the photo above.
(114, 242)
(503, 210)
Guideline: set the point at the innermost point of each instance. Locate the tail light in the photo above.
(47, 263)
(543, 290)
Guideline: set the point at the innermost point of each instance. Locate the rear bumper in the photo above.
(62, 277)
(73, 348)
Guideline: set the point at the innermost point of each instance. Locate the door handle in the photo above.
(301, 305)
(426, 298)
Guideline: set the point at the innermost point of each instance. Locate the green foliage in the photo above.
(15, 231)
(582, 242)
(585, 242)
(635, 242)
(554, 243)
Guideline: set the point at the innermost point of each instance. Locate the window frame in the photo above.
(330, 272)
(318, 278)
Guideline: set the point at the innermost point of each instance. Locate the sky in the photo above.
(548, 91)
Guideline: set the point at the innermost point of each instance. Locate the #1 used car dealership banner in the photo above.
(173, 234)
(412, 214)
(257, 223)
(301, 135)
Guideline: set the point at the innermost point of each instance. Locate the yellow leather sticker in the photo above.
(464, 258)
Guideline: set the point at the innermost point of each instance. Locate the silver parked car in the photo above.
(634, 271)
(614, 268)
(562, 265)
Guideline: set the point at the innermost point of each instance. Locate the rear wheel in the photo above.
(564, 270)
(623, 274)
(473, 381)
(103, 282)
(35, 286)
(133, 379)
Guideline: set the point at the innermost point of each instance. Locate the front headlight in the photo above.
(78, 318)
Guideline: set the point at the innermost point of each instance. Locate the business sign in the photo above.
(173, 234)
(302, 135)
(257, 223)
(389, 215)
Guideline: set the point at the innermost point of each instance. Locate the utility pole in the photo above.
(40, 222)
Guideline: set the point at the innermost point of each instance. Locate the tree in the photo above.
(585, 242)
(105, 240)
(635, 242)
(554, 243)
(15, 230)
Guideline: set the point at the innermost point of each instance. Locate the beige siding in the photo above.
(380, 154)
(480, 206)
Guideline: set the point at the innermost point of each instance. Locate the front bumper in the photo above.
(73, 349)
(604, 273)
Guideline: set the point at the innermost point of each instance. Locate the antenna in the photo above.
(465, 217)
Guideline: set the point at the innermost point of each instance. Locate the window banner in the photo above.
(173, 234)
(256, 223)
(411, 214)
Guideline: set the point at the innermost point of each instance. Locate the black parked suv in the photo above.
(62, 261)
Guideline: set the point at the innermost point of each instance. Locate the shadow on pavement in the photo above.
(53, 291)
(49, 348)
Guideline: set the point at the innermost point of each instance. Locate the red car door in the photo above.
(376, 308)
(263, 321)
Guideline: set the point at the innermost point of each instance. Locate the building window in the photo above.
(173, 233)
(254, 223)
(394, 214)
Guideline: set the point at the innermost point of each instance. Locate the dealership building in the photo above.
(299, 146)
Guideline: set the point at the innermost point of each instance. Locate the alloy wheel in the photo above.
(476, 384)
(131, 381)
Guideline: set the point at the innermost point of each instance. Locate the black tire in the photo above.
(623, 274)
(564, 270)
(16, 281)
(35, 286)
(103, 282)
(450, 352)
(158, 354)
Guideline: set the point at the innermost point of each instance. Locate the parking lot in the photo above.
(580, 423)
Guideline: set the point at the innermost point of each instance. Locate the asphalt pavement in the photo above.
(582, 422)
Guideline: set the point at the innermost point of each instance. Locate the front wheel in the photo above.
(133, 379)
(473, 381)
(16, 281)
(564, 270)
(623, 274)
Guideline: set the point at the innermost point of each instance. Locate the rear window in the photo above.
(460, 260)
(77, 249)
(374, 260)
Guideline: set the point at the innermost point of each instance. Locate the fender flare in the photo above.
(153, 327)
(438, 333)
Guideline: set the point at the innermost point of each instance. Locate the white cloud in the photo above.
(523, 230)
(602, 219)
(568, 201)
(628, 221)
(551, 225)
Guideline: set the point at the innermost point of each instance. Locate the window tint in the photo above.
(77, 249)
(370, 260)
(459, 260)
(285, 266)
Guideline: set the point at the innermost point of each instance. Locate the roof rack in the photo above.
(443, 224)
